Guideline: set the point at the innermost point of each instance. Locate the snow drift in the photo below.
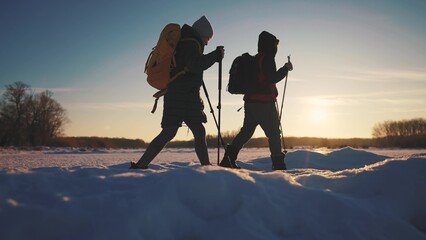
(345, 194)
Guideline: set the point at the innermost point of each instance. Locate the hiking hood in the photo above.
(189, 32)
(267, 43)
(203, 27)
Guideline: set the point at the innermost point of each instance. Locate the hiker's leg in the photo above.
(269, 122)
(157, 144)
(246, 132)
(248, 128)
(199, 133)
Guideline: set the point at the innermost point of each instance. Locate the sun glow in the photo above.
(318, 114)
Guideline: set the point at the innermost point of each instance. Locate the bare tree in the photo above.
(51, 117)
(404, 133)
(29, 119)
(13, 109)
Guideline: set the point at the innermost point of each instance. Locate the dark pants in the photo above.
(168, 133)
(265, 115)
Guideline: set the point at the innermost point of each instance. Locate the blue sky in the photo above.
(356, 63)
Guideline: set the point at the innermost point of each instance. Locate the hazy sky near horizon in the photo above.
(356, 63)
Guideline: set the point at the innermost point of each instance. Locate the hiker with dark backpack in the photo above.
(182, 102)
(260, 97)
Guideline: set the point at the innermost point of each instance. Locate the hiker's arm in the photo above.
(270, 69)
(196, 61)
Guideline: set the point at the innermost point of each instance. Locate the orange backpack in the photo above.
(162, 60)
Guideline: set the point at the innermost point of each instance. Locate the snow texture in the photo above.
(91, 194)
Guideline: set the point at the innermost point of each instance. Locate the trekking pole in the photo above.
(281, 110)
(214, 117)
(285, 87)
(219, 105)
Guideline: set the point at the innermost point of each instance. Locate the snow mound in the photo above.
(182, 200)
(350, 154)
(307, 159)
(345, 158)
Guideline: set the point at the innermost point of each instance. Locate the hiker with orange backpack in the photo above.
(260, 106)
(182, 102)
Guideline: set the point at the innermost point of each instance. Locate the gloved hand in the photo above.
(289, 66)
(220, 53)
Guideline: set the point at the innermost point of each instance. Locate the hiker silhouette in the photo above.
(260, 105)
(182, 102)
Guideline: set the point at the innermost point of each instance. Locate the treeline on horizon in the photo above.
(404, 133)
(290, 142)
(389, 134)
(98, 143)
(399, 134)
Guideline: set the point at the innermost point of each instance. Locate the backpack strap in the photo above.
(163, 92)
(157, 96)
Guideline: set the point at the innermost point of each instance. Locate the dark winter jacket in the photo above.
(182, 101)
(268, 75)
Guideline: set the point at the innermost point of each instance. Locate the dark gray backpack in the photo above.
(243, 74)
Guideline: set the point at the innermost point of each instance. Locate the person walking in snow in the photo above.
(182, 102)
(259, 106)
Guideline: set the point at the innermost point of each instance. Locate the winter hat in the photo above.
(267, 43)
(203, 27)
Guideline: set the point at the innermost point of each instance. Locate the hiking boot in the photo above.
(230, 157)
(136, 166)
(278, 163)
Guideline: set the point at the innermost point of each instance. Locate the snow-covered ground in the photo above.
(326, 194)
